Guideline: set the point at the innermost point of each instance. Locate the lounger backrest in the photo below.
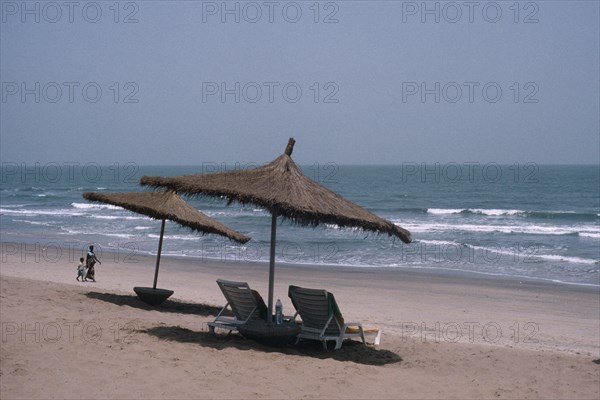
(240, 299)
(314, 308)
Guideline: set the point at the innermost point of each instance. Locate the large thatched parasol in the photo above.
(284, 190)
(166, 205)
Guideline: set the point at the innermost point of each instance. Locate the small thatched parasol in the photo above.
(162, 206)
(284, 190)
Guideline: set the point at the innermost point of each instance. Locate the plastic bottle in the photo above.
(278, 312)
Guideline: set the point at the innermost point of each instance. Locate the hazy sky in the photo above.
(355, 82)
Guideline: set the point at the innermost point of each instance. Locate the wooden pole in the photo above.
(272, 266)
(162, 232)
(290, 147)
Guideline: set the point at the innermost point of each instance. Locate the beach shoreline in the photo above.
(47, 252)
(500, 338)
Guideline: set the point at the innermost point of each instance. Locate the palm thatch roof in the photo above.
(283, 189)
(167, 205)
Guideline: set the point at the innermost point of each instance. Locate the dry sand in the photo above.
(444, 335)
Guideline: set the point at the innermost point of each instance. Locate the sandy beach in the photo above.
(444, 335)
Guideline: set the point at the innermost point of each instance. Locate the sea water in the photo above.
(522, 220)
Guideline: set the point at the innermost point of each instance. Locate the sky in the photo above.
(354, 82)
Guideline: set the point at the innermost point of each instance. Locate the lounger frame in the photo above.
(240, 300)
(319, 321)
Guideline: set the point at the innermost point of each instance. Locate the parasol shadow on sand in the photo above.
(165, 205)
(284, 190)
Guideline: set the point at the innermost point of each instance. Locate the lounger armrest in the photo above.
(348, 324)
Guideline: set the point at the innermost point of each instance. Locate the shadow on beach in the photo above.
(352, 351)
(172, 306)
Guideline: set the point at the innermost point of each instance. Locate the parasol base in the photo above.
(151, 296)
(270, 334)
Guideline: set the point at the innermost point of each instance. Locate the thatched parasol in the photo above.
(166, 205)
(284, 190)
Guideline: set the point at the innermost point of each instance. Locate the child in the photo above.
(81, 270)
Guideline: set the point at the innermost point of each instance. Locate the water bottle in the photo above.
(278, 312)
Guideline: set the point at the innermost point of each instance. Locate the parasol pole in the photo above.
(288, 151)
(272, 265)
(162, 232)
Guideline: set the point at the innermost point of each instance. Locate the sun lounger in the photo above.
(322, 319)
(246, 304)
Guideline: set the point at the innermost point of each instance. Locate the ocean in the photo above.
(526, 221)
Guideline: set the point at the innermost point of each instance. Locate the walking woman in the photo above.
(90, 261)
